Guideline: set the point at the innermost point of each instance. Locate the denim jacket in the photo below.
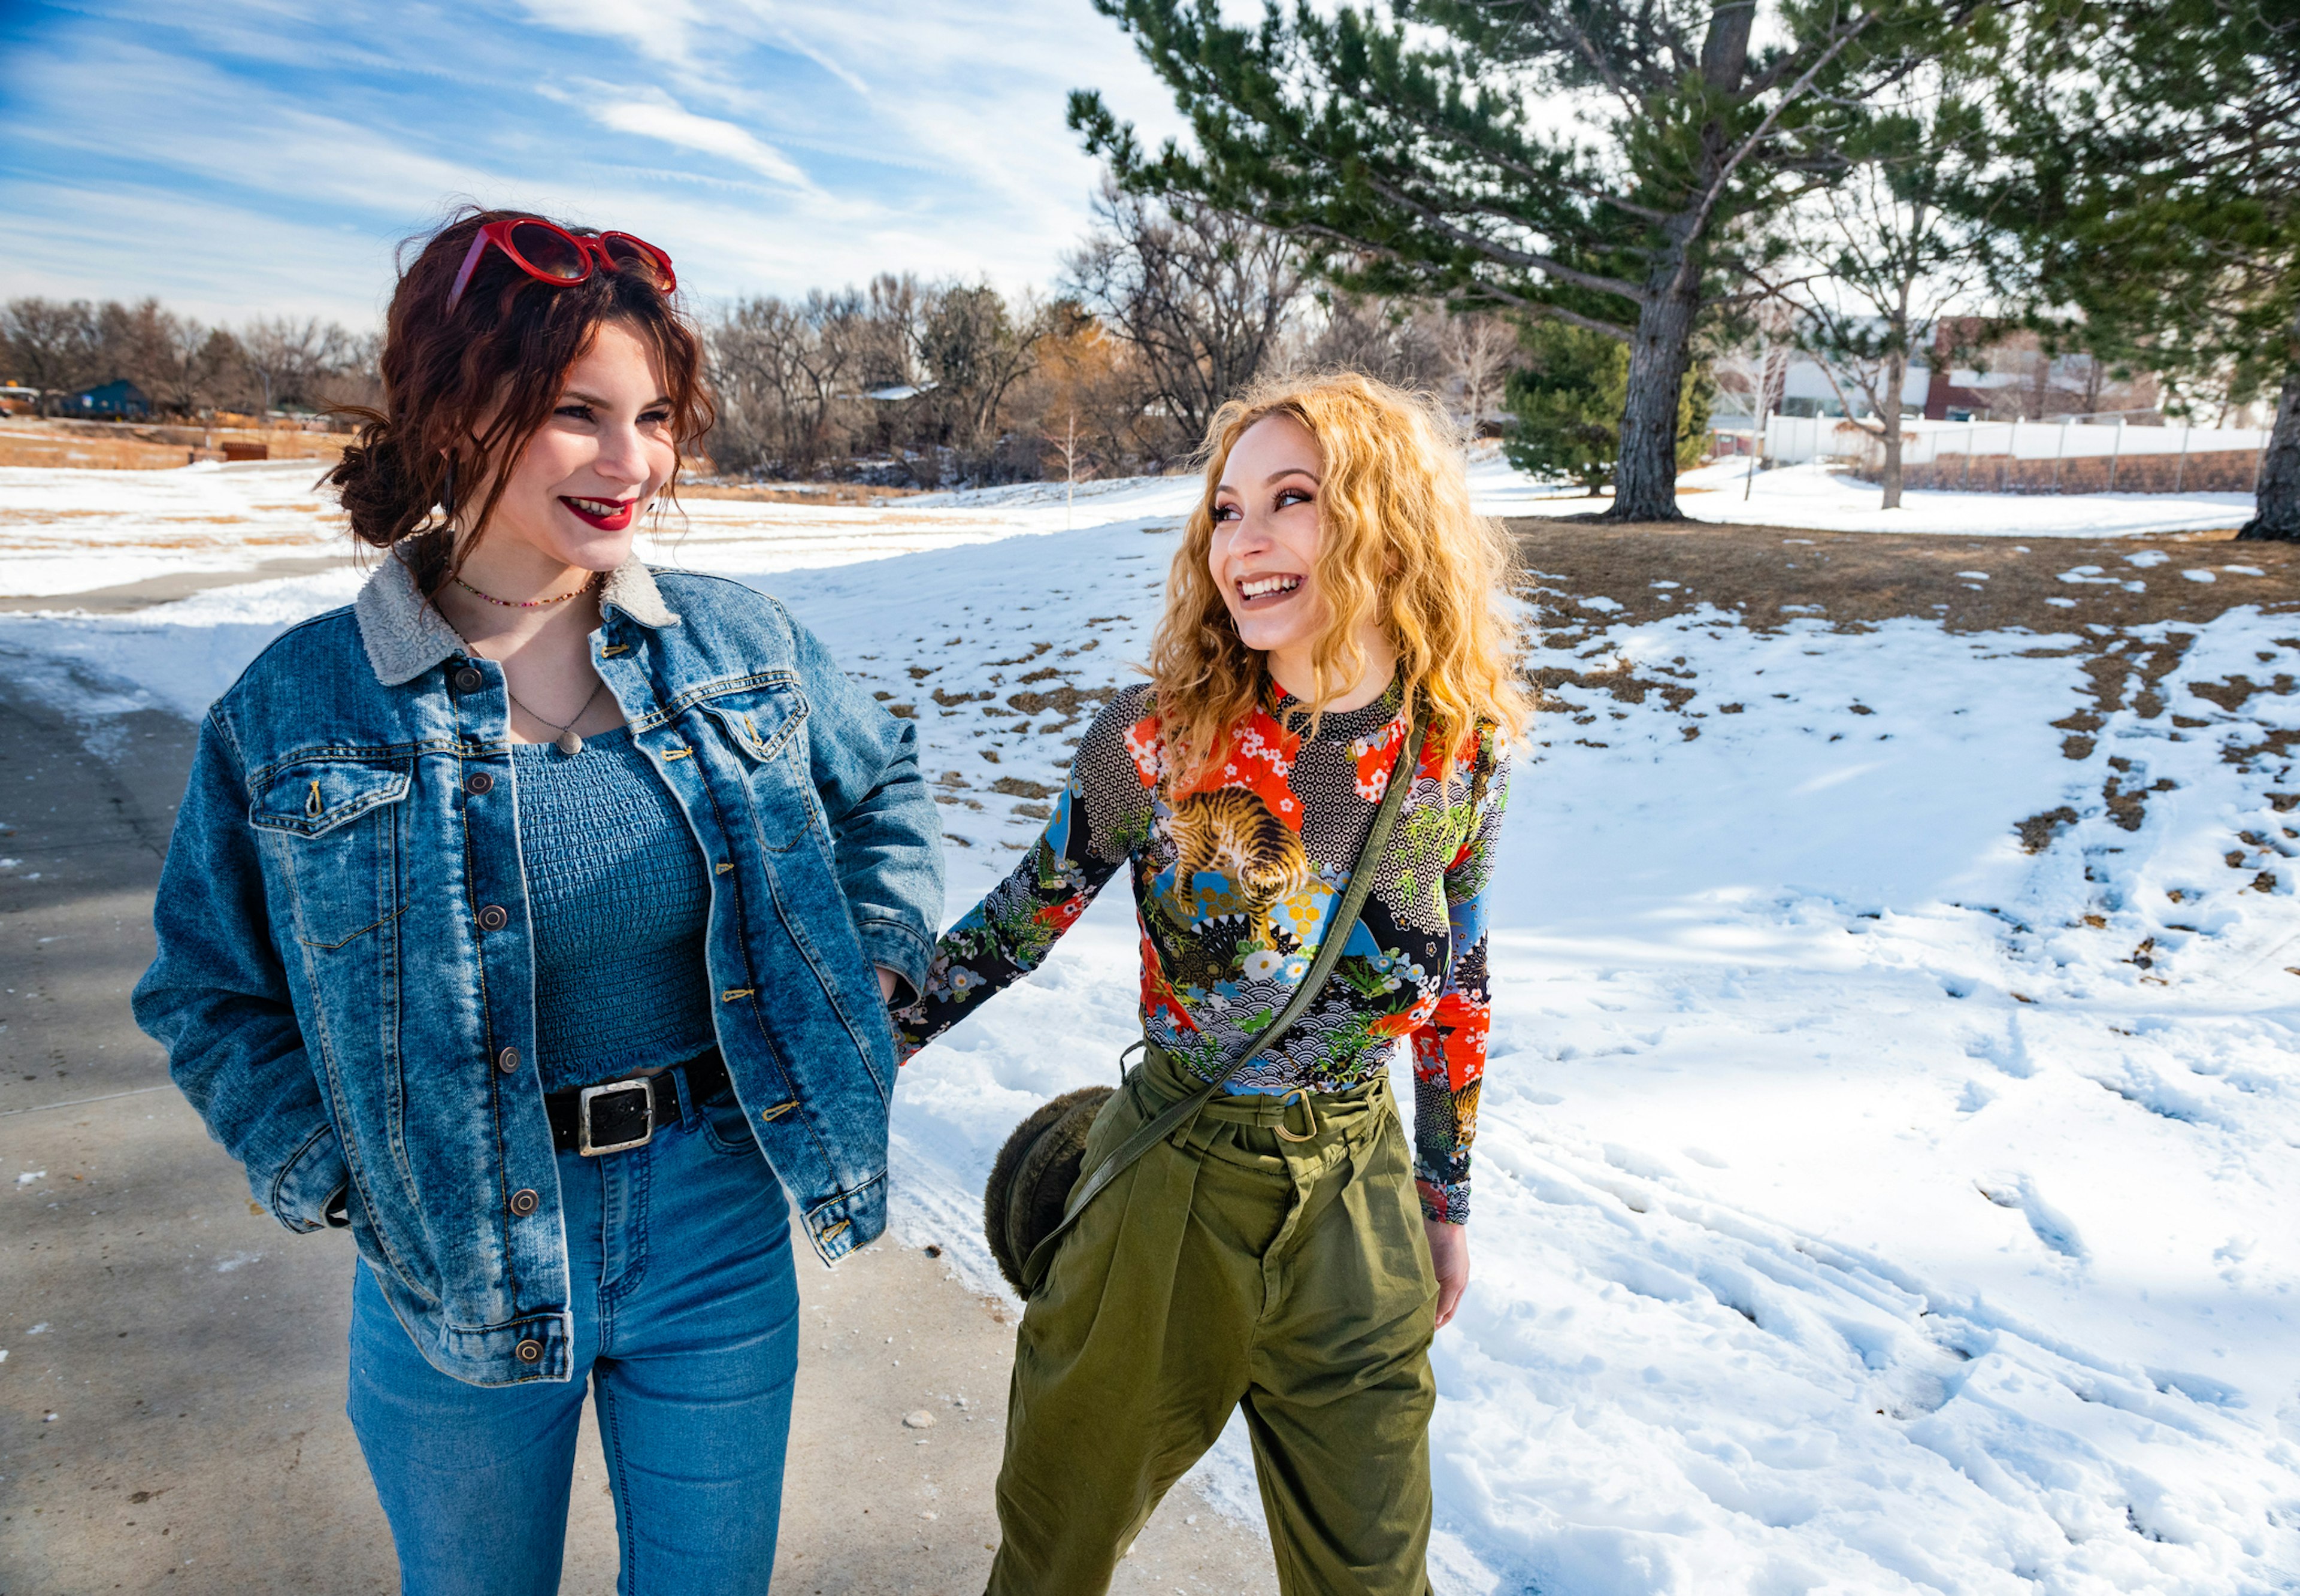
(345, 979)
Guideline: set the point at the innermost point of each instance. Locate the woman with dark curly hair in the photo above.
(534, 917)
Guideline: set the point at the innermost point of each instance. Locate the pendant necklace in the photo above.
(567, 742)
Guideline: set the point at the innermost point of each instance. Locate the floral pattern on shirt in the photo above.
(1235, 878)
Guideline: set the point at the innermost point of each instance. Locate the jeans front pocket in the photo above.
(332, 826)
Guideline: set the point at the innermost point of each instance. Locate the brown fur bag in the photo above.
(1033, 1176)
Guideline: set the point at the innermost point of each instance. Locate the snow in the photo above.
(1815, 496)
(1863, 1202)
(66, 526)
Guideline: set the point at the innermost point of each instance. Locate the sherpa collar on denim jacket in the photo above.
(405, 635)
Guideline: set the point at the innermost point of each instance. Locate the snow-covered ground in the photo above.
(68, 531)
(1864, 1203)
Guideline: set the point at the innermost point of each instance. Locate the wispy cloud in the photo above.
(661, 118)
(768, 147)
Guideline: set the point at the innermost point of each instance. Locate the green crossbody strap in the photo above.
(1330, 952)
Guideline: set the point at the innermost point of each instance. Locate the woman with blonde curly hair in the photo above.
(1330, 616)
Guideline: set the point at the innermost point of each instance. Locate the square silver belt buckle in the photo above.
(641, 1089)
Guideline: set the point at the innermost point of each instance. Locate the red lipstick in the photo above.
(594, 512)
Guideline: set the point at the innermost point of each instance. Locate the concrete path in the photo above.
(172, 1394)
(130, 596)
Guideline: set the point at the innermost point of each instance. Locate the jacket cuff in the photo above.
(300, 1193)
(892, 945)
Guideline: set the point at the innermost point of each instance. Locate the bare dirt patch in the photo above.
(1774, 575)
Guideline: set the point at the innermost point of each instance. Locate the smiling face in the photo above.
(1263, 554)
(574, 499)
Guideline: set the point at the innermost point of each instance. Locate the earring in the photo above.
(447, 492)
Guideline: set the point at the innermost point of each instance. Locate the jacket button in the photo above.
(529, 1351)
(468, 680)
(478, 782)
(507, 1061)
(493, 918)
(524, 1202)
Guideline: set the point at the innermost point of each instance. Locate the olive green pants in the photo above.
(1231, 1265)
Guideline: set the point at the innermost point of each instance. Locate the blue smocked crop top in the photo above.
(619, 898)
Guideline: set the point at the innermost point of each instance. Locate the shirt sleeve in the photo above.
(1010, 932)
(1449, 1048)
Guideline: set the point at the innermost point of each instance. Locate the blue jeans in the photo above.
(687, 1324)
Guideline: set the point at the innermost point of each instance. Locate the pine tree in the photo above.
(1417, 145)
(2158, 168)
(1567, 401)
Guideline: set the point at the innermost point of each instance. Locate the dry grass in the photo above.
(810, 492)
(1772, 575)
(96, 446)
(123, 454)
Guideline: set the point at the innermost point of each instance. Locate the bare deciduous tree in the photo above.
(1397, 341)
(1889, 249)
(51, 345)
(1747, 361)
(974, 351)
(1203, 296)
(290, 360)
(1481, 349)
(783, 370)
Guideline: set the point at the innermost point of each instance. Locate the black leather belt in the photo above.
(624, 1114)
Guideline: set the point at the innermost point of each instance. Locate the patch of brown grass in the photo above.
(107, 454)
(795, 492)
(1774, 575)
(92, 446)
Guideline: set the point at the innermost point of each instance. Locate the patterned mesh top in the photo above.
(1233, 879)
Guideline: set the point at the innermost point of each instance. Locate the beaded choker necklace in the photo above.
(525, 604)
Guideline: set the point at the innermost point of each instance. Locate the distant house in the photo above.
(113, 401)
(2011, 377)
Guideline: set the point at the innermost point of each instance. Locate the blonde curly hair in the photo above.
(1397, 543)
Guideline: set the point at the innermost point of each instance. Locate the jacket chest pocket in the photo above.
(764, 727)
(333, 825)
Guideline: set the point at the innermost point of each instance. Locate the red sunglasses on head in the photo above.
(551, 254)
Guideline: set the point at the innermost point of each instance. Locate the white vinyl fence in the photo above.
(2032, 456)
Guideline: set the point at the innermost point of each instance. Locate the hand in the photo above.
(889, 981)
(1449, 1254)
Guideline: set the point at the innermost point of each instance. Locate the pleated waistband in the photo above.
(1295, 1118)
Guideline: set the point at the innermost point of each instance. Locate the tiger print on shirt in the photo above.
(1232, 827)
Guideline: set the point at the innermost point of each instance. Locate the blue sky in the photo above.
(263, 157)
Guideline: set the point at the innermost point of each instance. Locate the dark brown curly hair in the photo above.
(465, 391)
